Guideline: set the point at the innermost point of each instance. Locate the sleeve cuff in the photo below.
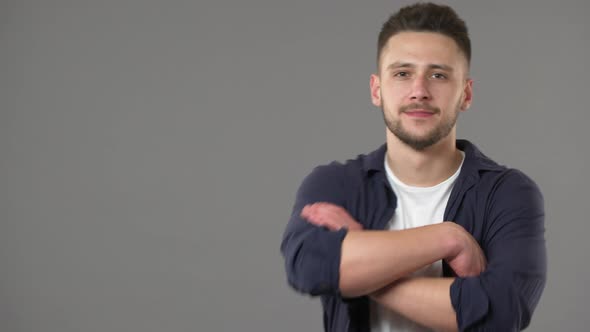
(469, 300)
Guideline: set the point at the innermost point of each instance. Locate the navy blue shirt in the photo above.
(502, 208)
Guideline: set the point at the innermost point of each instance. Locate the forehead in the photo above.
(422, 48)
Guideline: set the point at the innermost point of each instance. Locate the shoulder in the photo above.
(341, 178)
(502, 192)
(493, 178)
(513, 188)
(336, 174)
(509, 183)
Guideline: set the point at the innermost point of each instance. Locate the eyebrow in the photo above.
(399, 64)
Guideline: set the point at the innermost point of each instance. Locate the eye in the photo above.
(439, 76)
(401, 74)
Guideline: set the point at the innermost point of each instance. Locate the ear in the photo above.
(467, 95)
(375, 86)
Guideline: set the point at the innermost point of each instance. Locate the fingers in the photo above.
(323, 214)
(328, 215)
(481, 258)
(322, 209)
(469, 260)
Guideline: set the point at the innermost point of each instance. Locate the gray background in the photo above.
(150, 150)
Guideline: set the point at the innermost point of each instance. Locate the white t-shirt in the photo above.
(416, 206)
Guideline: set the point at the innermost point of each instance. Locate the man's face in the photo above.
(422, 85)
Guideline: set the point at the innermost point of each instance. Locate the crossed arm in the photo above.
(376, 263)
(499, 295)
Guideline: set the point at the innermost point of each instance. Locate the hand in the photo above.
(466, 259)
(330, 216)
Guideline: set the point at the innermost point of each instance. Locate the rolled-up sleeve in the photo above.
(312, 253)
(505, 295)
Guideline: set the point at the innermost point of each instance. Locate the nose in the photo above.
(420, 90)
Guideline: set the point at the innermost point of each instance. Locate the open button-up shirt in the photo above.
(502, 208)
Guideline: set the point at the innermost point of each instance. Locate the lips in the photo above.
(419, 113)
(418, 110)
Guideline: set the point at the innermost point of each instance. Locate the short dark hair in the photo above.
(426, 17)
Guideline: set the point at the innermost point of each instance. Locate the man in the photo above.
(426, 232)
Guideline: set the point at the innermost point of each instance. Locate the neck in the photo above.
(424, 168)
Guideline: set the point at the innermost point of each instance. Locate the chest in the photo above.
(376, 205)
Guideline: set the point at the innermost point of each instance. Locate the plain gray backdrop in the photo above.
(150, 150)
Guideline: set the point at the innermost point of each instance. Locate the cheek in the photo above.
(394, 92)
(450, 94)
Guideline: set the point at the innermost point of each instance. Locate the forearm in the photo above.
(423, 300)
(371, 260)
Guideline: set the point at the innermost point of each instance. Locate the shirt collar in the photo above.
(475, 160)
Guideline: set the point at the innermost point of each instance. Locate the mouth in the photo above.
(419, 113)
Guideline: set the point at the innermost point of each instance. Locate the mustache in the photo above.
(413, 106)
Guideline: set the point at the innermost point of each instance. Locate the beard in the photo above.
(420, 143)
